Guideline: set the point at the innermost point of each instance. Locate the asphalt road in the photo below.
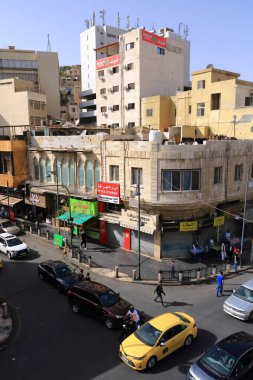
(50, 342)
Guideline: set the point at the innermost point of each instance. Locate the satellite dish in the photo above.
(210, 66)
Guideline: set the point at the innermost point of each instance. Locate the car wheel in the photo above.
(188, 340)
(41, 276)
(251, 317)
(109, 323)
(151, 362)
(9, 255)
(75, 307)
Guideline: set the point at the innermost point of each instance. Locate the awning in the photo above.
(78, 218)
(11, 202)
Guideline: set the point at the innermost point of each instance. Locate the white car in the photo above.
(12, 246)
(240, 303)
(7, 225)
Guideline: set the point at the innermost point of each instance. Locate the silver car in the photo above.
(240, 303)
(7, 225)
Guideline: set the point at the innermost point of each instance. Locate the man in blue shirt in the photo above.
(219, 286)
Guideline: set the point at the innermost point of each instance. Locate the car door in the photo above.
(3, 245)
(50, 274)
(93, 304)
(171, 340)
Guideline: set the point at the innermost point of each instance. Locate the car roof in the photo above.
(248, 284)
(167, 320)
(93, 286)
(6, 235)
(237, 343)
(54, 263)
(5, 220)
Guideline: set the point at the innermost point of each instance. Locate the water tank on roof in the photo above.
(155, 136)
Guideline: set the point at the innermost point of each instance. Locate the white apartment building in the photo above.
(94, 37)
(40, 68)
(141, 64)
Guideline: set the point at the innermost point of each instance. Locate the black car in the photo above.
(231, 358)
(100, 301)
(58, 274)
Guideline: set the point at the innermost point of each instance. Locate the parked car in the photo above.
(231, 358)
(240, 303)
(12, 246)
(156, 339)
(7, 225)
(59, 274)
(100, 301)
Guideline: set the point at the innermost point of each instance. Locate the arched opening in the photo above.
(71, 173)
(88, 176)
(36, 168)
(64, 173)
(48, 171)
(42, 170)
(96, 173)
(81, 173)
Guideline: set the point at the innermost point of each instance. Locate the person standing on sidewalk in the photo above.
(159, 291)
(83, 237)
(219, 286)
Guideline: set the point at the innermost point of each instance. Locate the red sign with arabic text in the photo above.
(108, 192)
(153, 39)
(102, 63)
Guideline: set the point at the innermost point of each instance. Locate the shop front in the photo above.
(37, 206)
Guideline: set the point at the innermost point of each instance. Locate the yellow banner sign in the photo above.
(188, 226)
(219, 221)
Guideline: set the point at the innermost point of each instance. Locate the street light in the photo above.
(55, 173)
(138, 194)
(249, 184)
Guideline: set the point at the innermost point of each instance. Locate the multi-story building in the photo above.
(70, 86)
(30, 106)
(91, 39)
(188, 192)
(141, 64)
(40, 68)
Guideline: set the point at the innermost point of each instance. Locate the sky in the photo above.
(220, 31)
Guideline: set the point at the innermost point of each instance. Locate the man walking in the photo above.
(219, 286)
(159, 291)
(83, 240)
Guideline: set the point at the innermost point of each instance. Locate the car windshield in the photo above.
(109, 298)
(148, 334)
(244, 293)
(7, 224)
(63, 271)
(13, 242)
(218, 361)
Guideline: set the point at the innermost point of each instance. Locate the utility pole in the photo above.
(138, 194)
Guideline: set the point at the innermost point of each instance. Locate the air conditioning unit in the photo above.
(101, 78)
(103, 96)
(126, 107)
(110, 71)
(125, 67)
(126, 88)
(104, 114)
(110, 90)
(110, 108)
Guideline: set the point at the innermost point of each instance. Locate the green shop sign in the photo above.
(58, 240)
(84, 207)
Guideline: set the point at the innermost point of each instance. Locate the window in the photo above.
(201, 84)
(115, 89)
(215, 101)
(81, 173)
(149, 112)
(160, 51)
(200, 109)
(64, 173)
(114, 173)
(180, 180)
(115, 125)
(217, 175)
(249, 101)
(131, 124)
(36, 105)
(131, 86)
(42, 170)
(48, 171)
(36, 168)
(103, 109)
(102, 91)
(115, 69)
(136, 174)
(131, 106)
(130, 46)
(190, 109)
(88, 176)
(238, 172)
(96, 173)
(71, 173)
(115, 107)
(129, 66)
(101, 73)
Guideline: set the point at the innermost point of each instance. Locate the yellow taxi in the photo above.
(156, 339)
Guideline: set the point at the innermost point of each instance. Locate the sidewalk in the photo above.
(5, 326)
(105, 258)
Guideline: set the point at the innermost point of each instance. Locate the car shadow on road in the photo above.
(185, 356)
(33, 255)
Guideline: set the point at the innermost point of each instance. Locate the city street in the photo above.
(50, 342)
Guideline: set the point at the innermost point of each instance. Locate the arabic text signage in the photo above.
(189, 226)
(219, 221)
(108, 192)
(36, 200)
(84, 207)
(103, 63)
(153, 39)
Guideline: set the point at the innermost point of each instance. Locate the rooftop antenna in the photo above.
(153, 27)
(87, 23)
(137, 22)
(118, 21)
(186, 31)
(93, 19)
(179, 28)
(128, 22)
(48, 44)
(102, 15)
